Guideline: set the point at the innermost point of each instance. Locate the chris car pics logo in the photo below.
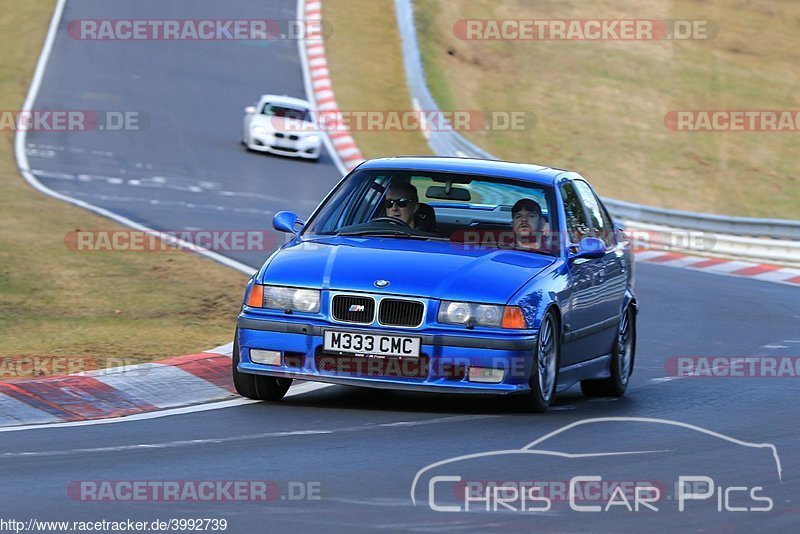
(485, 482)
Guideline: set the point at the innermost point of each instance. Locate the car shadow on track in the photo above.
(383, 400)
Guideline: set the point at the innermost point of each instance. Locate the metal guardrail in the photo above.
(447, 142)
(740, 226)
(696, 242)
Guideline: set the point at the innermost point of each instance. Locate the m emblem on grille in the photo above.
(381, 283)
(356, 308)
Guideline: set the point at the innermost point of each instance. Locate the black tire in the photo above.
(267, 388)
(617, 383)
(548, 342)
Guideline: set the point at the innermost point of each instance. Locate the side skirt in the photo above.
(596, 368)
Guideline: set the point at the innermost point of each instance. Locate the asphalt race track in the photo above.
(360, 450)
(185, 169)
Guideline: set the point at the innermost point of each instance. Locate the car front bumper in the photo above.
(298, 149)
(443, 364)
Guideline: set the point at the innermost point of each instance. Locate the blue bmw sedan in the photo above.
(449, 275)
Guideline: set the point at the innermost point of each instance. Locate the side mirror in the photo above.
(250, 110)
(286, 221)
(589, 248)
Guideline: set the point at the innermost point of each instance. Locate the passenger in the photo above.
(527, 224)
(401, 202)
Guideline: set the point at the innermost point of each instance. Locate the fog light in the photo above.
(484, 374)
(265, 357)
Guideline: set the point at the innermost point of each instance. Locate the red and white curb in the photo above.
(120, 391)
(756, 271)
(321, 90)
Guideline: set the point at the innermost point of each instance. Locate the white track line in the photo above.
(243, 437)
(24, 165)
(299, 389)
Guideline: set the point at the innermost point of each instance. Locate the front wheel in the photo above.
(622, 357)
(544, 374)
(268, 388)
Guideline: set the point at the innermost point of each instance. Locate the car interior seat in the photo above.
(425, 218)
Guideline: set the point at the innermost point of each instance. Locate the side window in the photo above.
(367, 204)
(610, 235)
(599, 222)
(577, 226)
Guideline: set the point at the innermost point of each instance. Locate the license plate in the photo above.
(377, 344)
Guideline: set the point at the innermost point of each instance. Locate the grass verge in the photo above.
(366, 63)
(600, 106)
(127, 307)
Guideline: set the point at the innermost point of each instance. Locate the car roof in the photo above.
(478, 167)
(287, 100)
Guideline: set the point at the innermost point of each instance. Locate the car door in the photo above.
(611, 275)
(580, 315)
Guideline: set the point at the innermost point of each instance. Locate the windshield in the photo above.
(471, 210)
(286, 112)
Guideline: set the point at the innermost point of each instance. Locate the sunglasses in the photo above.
(401, 202)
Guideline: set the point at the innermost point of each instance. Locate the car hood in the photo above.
(436, 269)
(281, 124)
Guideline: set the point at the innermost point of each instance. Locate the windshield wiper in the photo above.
(377, 233)
(392, 233)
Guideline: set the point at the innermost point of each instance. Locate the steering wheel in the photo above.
(390, 220)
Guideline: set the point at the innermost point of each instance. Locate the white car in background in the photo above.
(282, 125)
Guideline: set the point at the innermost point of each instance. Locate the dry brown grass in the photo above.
(135, 306)
(600, 105)
(366, 64)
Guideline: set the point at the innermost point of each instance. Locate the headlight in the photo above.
(488, 315)
(312, 138)
(306, 300)
(455, 312)
(289, 298)
(260, 130)
(480, 314)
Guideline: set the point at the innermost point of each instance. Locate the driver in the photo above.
(527, 223)
(401, 202)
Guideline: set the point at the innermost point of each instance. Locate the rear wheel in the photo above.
(622, 357)
(544, 374)
(268, 388)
